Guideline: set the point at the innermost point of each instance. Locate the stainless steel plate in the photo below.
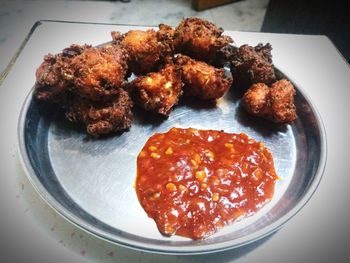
(90, 181)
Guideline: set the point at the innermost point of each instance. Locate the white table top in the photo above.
(32, 232)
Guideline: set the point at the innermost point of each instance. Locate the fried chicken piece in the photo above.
(147, 49)
(275, 103)
(202, 80)
(52, 76)
(158, 91)
(85, 82)
(98, 73)
(199, 39)
(253, 65)
(102, 117)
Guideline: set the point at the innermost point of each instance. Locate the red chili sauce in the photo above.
(193, 182)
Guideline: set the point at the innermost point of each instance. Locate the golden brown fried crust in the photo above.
(256, 100)
(275, 103)
(282, 97)
(165, 34)
(52, 76)
(199, 39)
(253, 65)
(202, 80)
(102, 117)
(85, 82)
(146, 49)
(98, 73)
(158, 91)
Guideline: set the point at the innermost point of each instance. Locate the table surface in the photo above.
(18, 16)
(33, 232)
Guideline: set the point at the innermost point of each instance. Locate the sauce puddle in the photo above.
(194, 182)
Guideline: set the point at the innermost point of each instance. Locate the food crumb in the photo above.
(169, 151)
(155, 155)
